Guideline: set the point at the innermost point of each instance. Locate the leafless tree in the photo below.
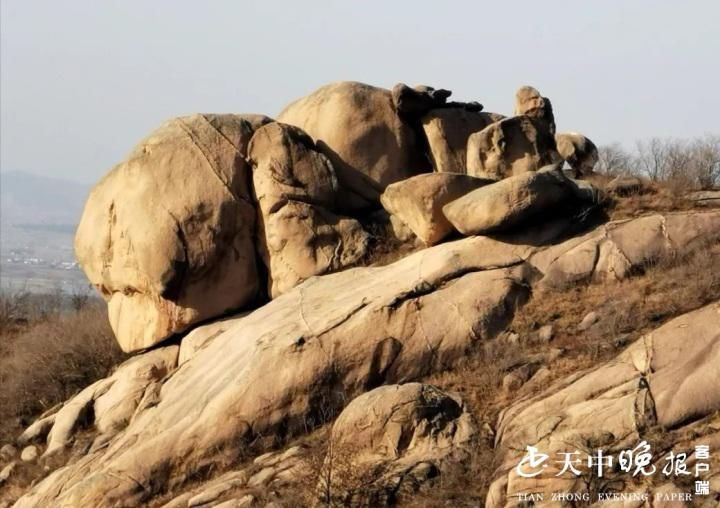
(705, 163)
(652, 158)
(614, 160)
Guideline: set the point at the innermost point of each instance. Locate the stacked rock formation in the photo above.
(267, 227)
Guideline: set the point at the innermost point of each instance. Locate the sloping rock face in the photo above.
(336, 336)
(357, 127)
(510, 147)
(296, 188)
(668, 380)
(111, 402)
(617, 249)
(510, 202)
(269, 475)
(166, 236)
(447, 131)
(578, 151)
(401, 435)
(418, 202)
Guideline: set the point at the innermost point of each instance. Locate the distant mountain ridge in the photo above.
(30, 199)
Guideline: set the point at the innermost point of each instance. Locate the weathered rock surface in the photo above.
(510, 147)
(401, 435)
(357, 127)
(613, 251)
(296, 191)
(506, 204)
(7, 471)
(666, 379)
(336, 336)
(418, 201)
(578, 151)
(166, 236)
(271, 472)
(111, 402)
(710, 198)
(529, 102)
(447, 131)
(203, 335)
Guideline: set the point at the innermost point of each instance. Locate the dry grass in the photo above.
(48, 352)
(628, 309)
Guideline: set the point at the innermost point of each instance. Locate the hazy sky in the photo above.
(83, 81)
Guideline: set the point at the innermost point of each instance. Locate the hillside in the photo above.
(379, 298)
(31, 199)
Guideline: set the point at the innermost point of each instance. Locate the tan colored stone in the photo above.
(710, 198)
(29, 453)
(112, 401)
(510, 202)
(529, 102)
(166, 236)
(357, 127)
(447, 131)
(614, 250)
(201, 336)
(509, 147)
(295, 186)
(394, 429)
(349, 331)
(129, 385)
(578, 151)
(418, 202)
(7, 471)
(668, 377)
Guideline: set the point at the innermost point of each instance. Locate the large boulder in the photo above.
(357, 127)
(296, 190)
(506, 204)
(509, 147)
(418, 202)
(578, 151)
(166, 236)
(447, 131)
(399, 435)
(335, 336)
(661, 389)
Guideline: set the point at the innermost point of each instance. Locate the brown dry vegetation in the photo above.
(628, 309)
(49, 350)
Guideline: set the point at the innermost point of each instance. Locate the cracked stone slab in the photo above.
(613, 251)
(668, 377)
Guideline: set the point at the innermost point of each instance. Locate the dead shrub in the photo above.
(49, 358)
